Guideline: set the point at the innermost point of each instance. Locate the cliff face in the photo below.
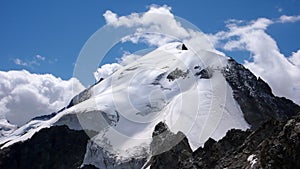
(275, 144)
(255, 97)
(176, 156)
(57, 147)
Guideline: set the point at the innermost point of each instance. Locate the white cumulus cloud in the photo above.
(295, 58)
(279, 71)
(127, 58)
(108, 69)
(151, 25)
(24, 95)
(156, 27)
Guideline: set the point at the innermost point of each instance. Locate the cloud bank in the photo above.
(281, 72)
(158, 26)
(24, 95)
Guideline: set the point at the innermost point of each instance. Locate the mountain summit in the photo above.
(170, 102)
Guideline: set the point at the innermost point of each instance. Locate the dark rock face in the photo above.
(175, 156)
(204, 73)
(177, 73)
(89, 167)
(255, 96)
(57, 147)
(184, 47)
(212, 152)
(44, 117)
(275, 144)
(283, 147)
(82, 96)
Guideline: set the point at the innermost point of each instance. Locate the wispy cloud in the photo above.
(18, 61)
(279, 9)
(39, 57)
(286, 19)
(35, 61)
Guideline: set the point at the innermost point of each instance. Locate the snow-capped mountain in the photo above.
(198, 94)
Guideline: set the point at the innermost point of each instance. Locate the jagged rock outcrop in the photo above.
(209, 155)
(275, 144)
(45, 117)
(82, 96)
(177, 73)
(255, 97)
(206, 73)
(182, 47)
(165, 153)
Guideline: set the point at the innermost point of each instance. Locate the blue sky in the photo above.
(47, 36)
(39, 37)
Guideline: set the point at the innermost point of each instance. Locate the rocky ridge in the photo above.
(275, 144)
(255, 96)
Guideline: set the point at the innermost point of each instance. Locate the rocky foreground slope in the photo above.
(275, 144)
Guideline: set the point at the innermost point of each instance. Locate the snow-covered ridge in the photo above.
(183, 88)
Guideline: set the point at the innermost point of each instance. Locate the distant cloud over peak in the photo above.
(156, 27)
(279, 71)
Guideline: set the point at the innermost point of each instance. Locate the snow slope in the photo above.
(164, 85)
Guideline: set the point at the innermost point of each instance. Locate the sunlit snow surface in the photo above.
(138, 96)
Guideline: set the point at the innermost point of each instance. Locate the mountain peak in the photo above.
(135, 111)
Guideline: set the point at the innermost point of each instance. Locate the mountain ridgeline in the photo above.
(256, 129)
